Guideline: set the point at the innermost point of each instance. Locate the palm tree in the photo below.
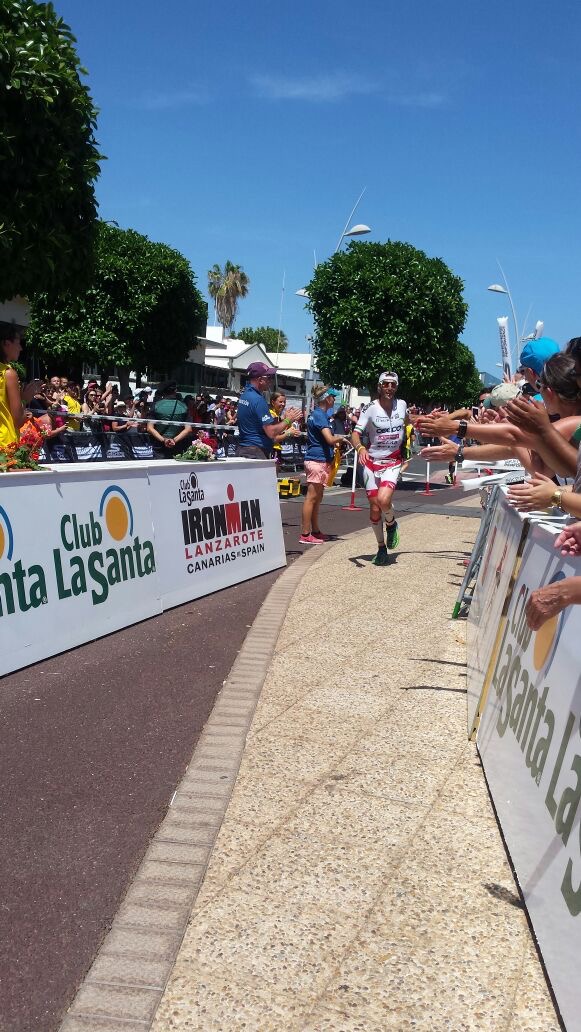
(226, 286)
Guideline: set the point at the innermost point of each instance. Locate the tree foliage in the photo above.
(226, 286)
(389, 306)
(142, 309)
(270, 338)
(48, 156)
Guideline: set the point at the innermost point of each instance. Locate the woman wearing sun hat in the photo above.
(321, 442)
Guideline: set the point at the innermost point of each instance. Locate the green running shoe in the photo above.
(392, 534)
(382, 558)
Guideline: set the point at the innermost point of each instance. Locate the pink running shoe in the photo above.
(320, 536)
(309, 539)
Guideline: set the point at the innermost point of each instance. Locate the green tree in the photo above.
(48, 156)
(226, 286)
(387, 306)
(460, 383)
(142, 309)
(270, 338)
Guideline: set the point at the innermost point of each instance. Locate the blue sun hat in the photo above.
(536, 352)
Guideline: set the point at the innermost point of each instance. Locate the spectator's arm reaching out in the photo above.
(548, 601)
(442, 425)
(550, 440)
(569, 540)
(447, 450)
(538, 494)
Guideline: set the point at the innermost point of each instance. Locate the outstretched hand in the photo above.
(436, 425)
(569, 540)
(533, 495)
(444, 452)
(544, 603)
(531, 416)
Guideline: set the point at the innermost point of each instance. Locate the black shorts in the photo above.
(252, 451)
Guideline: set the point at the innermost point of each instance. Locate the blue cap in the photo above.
(536, 352)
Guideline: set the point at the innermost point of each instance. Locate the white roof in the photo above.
(298, 361)
(231, 348)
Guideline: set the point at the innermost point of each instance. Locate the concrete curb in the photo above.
(126, 981)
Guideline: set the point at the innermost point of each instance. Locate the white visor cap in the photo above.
(388, 377)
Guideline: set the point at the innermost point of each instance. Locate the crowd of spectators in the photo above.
(161, 417)
(59, 408)
(536, 420)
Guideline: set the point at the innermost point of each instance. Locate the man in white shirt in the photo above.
(384, 422)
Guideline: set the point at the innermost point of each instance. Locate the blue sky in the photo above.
(246, 132)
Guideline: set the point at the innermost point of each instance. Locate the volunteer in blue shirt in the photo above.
(257, 428)
(321, 443)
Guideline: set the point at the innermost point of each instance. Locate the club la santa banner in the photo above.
(529, 740)
(83, 554)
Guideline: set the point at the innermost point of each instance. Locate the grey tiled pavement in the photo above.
(358, 880)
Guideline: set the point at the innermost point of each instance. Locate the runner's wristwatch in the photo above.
(462, 429)
(459, 456)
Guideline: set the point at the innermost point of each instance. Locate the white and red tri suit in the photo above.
(386, 434)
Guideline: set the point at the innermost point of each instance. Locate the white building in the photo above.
(295, 374)
(15, 312)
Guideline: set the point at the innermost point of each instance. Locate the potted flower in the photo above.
(23, 454)
(197, 452)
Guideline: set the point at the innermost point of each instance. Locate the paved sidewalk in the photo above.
(359, 882)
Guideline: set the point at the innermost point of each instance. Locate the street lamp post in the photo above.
(497, 288)
(360, 229)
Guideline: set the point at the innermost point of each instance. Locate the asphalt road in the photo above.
(92, 746)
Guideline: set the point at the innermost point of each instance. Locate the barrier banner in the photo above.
(505, 535)
(141, 445)
(97, 446)
(88, 549)
(529, 740)
(77, 560)
(88, 446)
(218, 529)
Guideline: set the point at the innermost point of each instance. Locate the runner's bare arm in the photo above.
(362, 453)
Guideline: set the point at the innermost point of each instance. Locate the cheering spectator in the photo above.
(277, 406)
(11, 398)
(91, 402)
(71, 395)
(257, 428)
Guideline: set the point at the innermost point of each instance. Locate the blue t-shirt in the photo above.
(253, 415)
(317, 448)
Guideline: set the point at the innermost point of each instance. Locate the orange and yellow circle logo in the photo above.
(6, 535)
(115, 509)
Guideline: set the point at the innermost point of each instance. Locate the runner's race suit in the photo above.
(386, 434)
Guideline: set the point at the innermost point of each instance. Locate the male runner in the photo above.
(384, 421)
